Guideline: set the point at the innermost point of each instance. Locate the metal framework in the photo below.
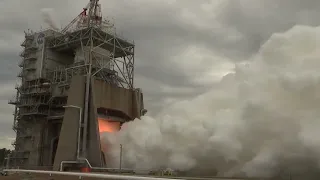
(119, 70)
(30, 101)
(121, 56)
(37, 100)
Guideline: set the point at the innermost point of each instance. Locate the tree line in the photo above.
(3, 154)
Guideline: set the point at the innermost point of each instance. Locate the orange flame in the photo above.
(105, 125)
(108, 126)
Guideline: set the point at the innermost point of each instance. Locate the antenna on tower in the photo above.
(91, 16)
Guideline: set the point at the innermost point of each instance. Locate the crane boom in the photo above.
(91, 19)
(64, 30)
(76, 19)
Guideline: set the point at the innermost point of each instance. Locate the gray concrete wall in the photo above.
(51, 134)
(112, 97)
(28, 64)
(67, 146)
(46, 59)
(39, 63)
(35, 143)
(46, 142)
(94, 146)
(35, 63)
(138, 103)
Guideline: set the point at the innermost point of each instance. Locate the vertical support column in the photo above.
(120, 163)
(93, 143)
(132, 72)
(87, 100)
(68, 137)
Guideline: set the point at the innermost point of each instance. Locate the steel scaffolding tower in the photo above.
(51, 62)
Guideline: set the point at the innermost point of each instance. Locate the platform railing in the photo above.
(91, 175)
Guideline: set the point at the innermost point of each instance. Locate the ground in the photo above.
(55, 177)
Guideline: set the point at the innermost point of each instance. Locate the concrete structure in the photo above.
(69, 80)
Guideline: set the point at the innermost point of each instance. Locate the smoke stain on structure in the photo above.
(67, 77)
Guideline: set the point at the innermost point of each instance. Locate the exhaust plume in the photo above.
(47, 15)
(262, 119)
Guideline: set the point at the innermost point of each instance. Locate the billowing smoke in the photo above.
(262, 120)
(47, 15)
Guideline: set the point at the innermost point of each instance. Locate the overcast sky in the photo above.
(182, 46)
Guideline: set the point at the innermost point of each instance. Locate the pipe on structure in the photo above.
(92, 175)
(86, 103)
(80, 161)
(67, 162)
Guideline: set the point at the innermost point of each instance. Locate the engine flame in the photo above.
(105, 125)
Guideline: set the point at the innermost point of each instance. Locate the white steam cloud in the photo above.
(48, 17)
(262, 120)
